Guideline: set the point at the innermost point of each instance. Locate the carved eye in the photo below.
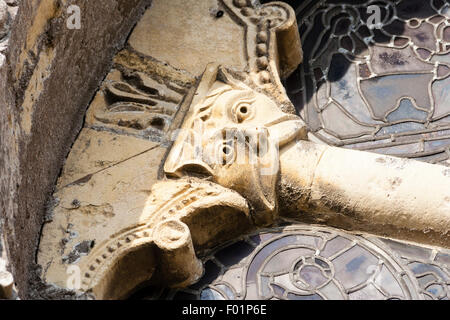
(242, 111)
(226, 153)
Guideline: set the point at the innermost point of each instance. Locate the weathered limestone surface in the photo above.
(49, 75)
(138, 198)
(188, 34)
(110, 205)
(98, 199)
(8, 146)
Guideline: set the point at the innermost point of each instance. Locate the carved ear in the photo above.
(213, 73)
(183, 157)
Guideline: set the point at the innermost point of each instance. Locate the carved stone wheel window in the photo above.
(302, 262)
(384, 89)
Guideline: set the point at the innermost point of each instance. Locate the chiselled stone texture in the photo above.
(49, 76)
(383, 89)
(134, 103)
(239, 138)
(8, 11)
(230, 122)
(300, 262)
(200, 35)
(107, 179)
(245, 36)
(8, 149)
(113, 208)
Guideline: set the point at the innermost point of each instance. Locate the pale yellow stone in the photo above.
(359, 190)
(95, 151)
(186, 35)
(119, 221)
(97, 208)
(116, 216)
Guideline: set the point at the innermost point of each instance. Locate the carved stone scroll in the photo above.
(115, 215)
(269, 59)
(132, 102)
(179, 215)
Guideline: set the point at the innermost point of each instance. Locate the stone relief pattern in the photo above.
(8, 10)
(313, 263)
(143, 104)
(167, 206)
(264, 19)
(138, 104)
(384, 89)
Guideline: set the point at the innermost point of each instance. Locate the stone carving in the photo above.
(181, 213)
(135, 103)
(228, 122)
(232, 134)
(275, 19)
(8, 10)
(239, 158)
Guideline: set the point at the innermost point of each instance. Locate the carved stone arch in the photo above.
(181, 215)
(272, 44)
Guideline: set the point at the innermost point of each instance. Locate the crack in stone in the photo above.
(88, 177)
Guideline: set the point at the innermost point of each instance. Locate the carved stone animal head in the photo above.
(232, 133)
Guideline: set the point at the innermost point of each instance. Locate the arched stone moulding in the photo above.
(162, 249)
